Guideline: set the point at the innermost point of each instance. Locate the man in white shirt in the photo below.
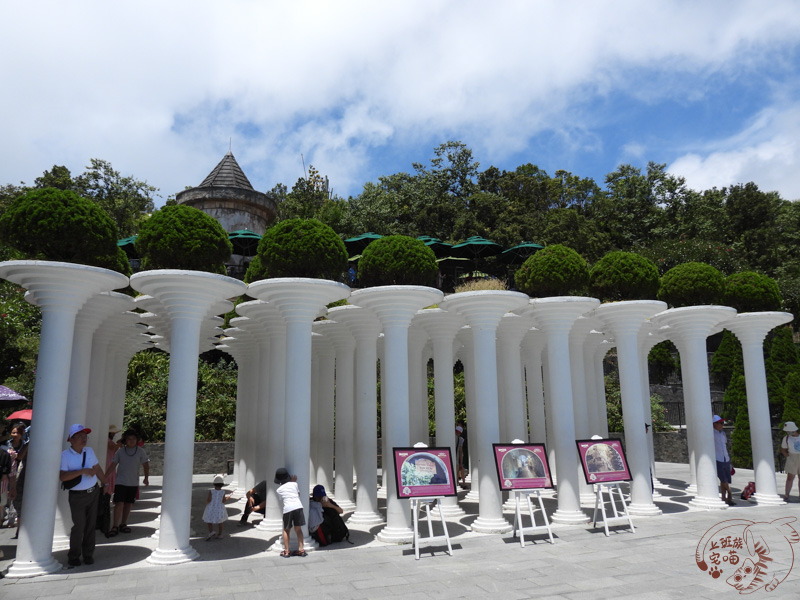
(723, 460)
(79, 461)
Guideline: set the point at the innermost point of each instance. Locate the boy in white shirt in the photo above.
(293, 515)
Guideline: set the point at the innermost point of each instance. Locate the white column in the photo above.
(299, 301)
(751, 328)
(417, 401)
(345, 345)
(60, 290)
(510, 333)
(555, 317)
(188, 298)
(483, 311)
(467, 355)
(395, 306)
(532, 345)
(625, 320)
(326, 378)
(443, 326)
(689, 328)
(365, 328)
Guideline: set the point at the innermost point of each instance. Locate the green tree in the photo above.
(735, 396)
(59, 225)
(691, 284)
(182, 237)
(553, 271)
(727, 360)
(624, 276)
(661, 362)
(670, 253)
(791, 397)
(299, 248)
(127, 200)
(397, 260)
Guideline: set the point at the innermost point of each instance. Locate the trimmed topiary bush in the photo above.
(553, 271)
(299, 248)
(624, 276)
(661, 362)
(182, 237)
(397, 260)
(53, 224)
(750, 292)
(691, 284)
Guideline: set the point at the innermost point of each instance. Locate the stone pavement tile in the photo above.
(176, 594)
(18, 589)
(380, 582)
(228, 590)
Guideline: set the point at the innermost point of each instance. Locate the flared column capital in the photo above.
(187, 294)
(299, 298)
(692, 322)
(395, 305)
(754, 326)
(484, 309)
(559, 313)
(629, 316)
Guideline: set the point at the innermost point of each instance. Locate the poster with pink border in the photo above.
(522, 466)
(424, 472)
(603, 461)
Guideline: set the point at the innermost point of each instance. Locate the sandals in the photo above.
(302, 553)
(285, 554)
(112, 532)
(124, 529)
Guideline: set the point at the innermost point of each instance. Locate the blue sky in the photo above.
(364, 89)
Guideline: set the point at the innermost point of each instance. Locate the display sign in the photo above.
(522, 466)
(603, 461)
(424, 472)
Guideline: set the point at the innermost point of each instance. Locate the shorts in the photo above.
(724, 471)
(792, 466)
(296, 518)
(125, 493)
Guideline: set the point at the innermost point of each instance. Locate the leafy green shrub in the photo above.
(735, 394)
(741, 450)
(182, 237)
(661, 362)
(59, 225)
(397, 260)
(299, 248)
(750, 292)
(727, 360)
(614, 408)
(691, 284)
(791, 398)
(553, 271)
(623, 276)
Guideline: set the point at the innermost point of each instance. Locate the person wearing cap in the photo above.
(293, 515)
(723, 460)
(125, 466)
(316, 508)
(79, 461)
(790, 448)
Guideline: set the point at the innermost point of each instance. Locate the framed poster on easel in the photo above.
(603, 461)
(522, 466)
(424, 472)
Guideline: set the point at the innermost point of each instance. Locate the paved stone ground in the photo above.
(655, 562)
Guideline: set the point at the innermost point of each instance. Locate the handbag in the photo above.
(71, 483)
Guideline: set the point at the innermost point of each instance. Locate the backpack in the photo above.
(332, 529)
(749, 490)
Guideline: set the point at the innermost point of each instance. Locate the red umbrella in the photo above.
(21, 415)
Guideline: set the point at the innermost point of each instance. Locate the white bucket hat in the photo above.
(789, 427)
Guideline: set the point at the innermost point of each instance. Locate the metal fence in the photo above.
(676, 412)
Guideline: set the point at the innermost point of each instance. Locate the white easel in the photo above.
(534, 528)
(620, 516)
(416, 505)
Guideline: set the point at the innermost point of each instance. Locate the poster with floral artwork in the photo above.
(424, 472)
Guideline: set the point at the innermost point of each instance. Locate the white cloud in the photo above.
(766, 152)
(338, 81)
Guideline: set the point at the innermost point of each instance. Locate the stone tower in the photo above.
(227, 195)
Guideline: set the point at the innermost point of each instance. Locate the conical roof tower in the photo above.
(227, 195)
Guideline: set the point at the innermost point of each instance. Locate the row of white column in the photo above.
(277, 386)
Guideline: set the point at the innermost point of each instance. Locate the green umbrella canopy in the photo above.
(129, 246)
(245, 242)
(356, 245)
(440, 249)
(518, 253)
(476, 247)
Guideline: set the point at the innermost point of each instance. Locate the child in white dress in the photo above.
(215, 512)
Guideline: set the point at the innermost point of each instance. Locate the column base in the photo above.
(309, 545)
(472, 496)
(365, 518)
(382, 492)
(707, 503)
(452, 511)
(692, 490)
(20, 569)
(270, 525)
(395, 535)
(588, 498)
(768, 499)
(657, 494)
(569, 517)
(345, 505)
(60, 542)
(172, 557)
(644, 510)
(484, 525)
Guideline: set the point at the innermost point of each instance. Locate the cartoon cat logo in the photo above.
(767, 555)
